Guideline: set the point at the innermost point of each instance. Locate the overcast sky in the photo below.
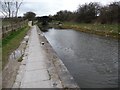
(50, 7)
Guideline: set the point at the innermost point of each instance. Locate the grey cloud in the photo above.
(47, 7)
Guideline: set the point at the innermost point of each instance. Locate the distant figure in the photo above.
(30, 23)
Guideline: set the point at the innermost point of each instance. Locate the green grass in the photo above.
(11, 42)
(100, 29)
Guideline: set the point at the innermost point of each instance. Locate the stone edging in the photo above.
(64, 75)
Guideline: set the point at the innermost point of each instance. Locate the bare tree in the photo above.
(6, 8)
(17, 4)
(10, 8)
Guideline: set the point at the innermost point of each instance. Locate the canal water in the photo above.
(92, 60)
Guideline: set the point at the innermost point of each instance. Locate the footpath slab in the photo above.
(40, 67)
(33, 71)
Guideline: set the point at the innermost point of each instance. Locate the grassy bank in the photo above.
(11, 42)
(109, 30)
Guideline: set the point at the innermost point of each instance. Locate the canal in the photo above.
(92, 60)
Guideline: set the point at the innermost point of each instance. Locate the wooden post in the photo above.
(2, 31)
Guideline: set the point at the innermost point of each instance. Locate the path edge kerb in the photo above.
(66, 78)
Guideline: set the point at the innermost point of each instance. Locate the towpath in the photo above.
(40, 67)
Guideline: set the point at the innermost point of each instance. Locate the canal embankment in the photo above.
(107, 30)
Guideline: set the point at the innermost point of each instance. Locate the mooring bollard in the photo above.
(42, 43)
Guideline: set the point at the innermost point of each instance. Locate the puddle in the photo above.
(15, 55)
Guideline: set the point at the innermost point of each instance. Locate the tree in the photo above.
(110, 13)
(44, 19)
(63, 15)
(29, 15)
(6, 8)
(10, 8)
(17, 5)
(88, 12)
(92, 12)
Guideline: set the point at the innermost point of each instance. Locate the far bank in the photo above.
(108, 30)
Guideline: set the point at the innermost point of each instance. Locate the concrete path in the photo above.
(41, 67)
(33, 72)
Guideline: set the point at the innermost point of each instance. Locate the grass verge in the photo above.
(12, 42)
(109, 30)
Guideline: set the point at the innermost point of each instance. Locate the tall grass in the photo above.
(111, 30)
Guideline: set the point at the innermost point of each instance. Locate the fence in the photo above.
(12, 27)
